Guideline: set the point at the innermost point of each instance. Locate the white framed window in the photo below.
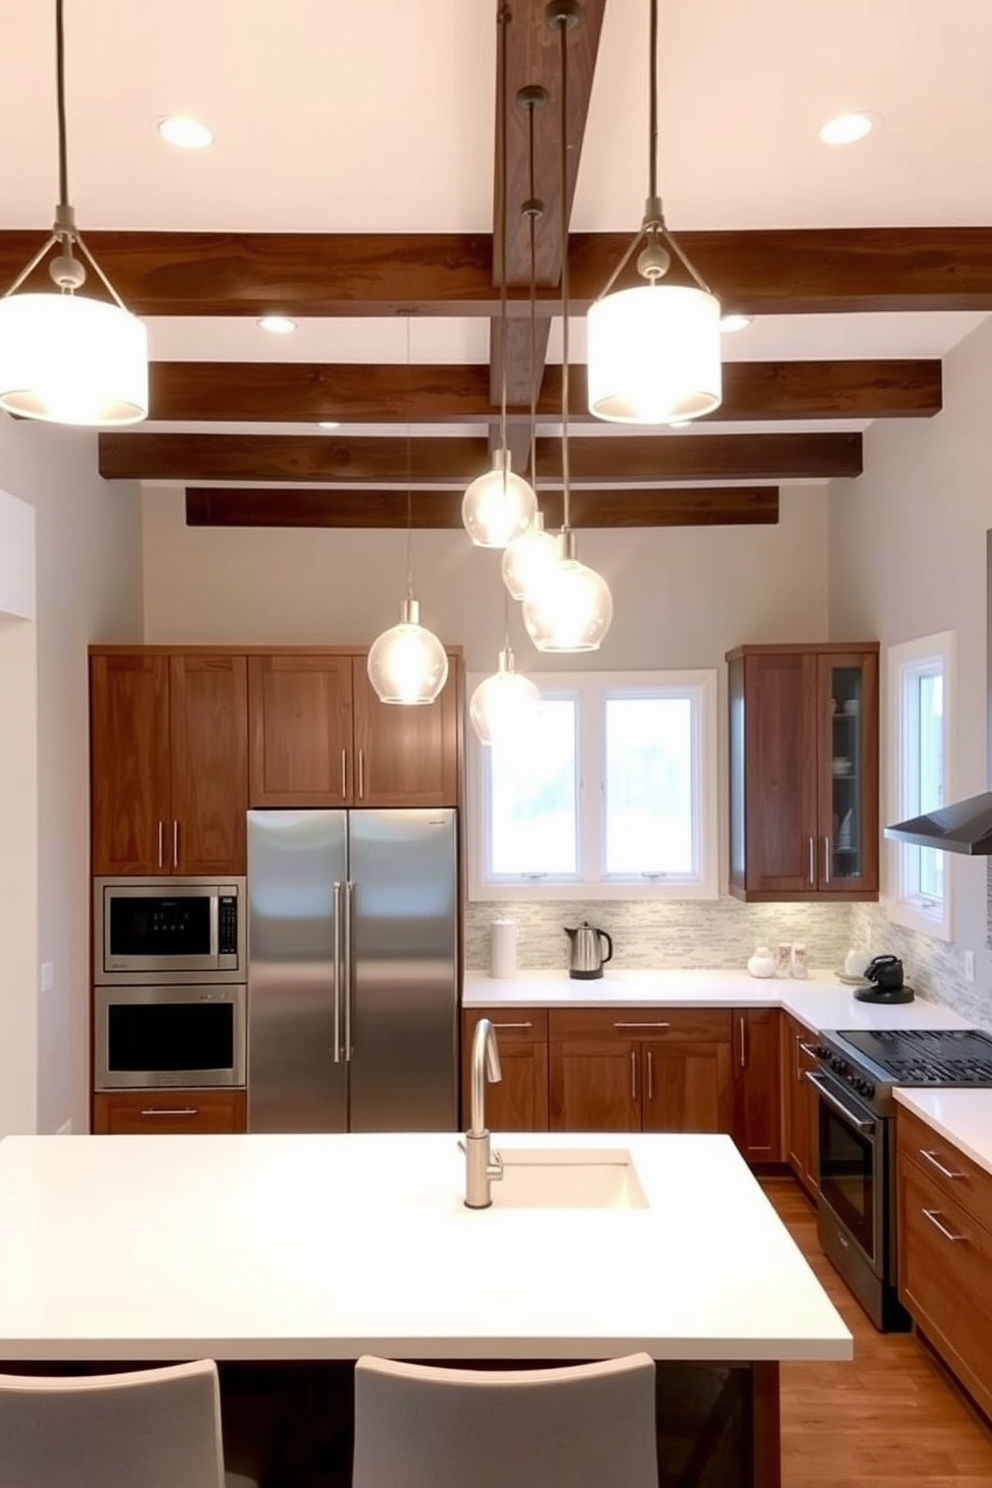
(920, 708)
(611, 792)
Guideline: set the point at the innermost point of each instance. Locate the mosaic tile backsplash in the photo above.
(933, 967)
(717, 933)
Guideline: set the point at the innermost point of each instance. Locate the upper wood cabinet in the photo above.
(319, 736)
(804, 772)
(168, 762)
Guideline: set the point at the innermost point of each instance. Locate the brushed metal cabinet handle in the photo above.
(344, 773)
(743, 1028)
(650, 1075)
(799, 1044)
(931, 1215)
(513, 1025)
(161, 843)
(633, 1074)
(171, 1111)
(361, 774)
(826, 859)
(642, 1025)
(935, 1162)
(812, 862)
(175, 844)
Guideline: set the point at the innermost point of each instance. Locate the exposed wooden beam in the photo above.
(305, 506)
(785, 272)
(300, 392)
(631, 460)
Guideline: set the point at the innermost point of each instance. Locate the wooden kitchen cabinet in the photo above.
(518, 1102)
(636, 1069)
(799, 1104)
(169, 1112)
(944, 1251)
(169, 755)
(757, 1064)
(319, 736)
(804, 772)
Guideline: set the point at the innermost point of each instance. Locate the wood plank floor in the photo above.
(891, 1417)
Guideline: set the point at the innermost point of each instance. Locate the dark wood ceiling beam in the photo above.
(634, 460)
(300, 392)
(789, 272)
(304, 506)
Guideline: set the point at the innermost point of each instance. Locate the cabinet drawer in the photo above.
(512, 1025)
(953, 1175)
(945, 1277)
(169, 1112)
(685, 1025)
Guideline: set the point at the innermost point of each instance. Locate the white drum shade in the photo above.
(407, 664)
(499, 505)
(502, 704)
(654, 354)
(570, 610)
(70, 359)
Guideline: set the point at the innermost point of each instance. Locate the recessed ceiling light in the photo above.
(731, 323)
(279, 325)
(188, 134)
(846, 129)
(328, 424)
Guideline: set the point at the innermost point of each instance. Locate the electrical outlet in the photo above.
(969, 966)
(47, 975)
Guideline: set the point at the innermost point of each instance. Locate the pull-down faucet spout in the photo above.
(482, 1167)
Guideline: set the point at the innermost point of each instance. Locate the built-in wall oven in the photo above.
(168, 930)
(155, 1037)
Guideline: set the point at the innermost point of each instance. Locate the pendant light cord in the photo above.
(502, 20)
(533, 209)
(60, 86)
(653, 104)
(563, 29)
(409, 471)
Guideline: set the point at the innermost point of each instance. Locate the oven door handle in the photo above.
(817, 1082)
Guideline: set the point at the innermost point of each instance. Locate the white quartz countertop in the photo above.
(821, 1002)
(964, 1117)
(316, 1246)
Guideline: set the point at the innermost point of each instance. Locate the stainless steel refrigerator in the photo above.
(352, 971)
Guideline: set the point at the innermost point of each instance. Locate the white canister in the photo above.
(800, 962)
(503, 949)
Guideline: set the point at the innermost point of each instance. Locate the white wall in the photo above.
(88, 554)
(907, 559)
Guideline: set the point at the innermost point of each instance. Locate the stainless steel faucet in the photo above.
(482, 1167)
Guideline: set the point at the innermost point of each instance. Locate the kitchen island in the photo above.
(321, 1248)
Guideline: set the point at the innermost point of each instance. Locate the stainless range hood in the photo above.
(963, 827)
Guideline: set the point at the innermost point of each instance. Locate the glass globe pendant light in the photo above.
(407, 664)
(501, 705)
(653, 352)
(571, 608)
(64, 357)
(528, 557)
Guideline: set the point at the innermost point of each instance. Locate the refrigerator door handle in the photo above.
(337, 971)
(349, 920)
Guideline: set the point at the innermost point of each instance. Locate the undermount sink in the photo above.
(568, 1178)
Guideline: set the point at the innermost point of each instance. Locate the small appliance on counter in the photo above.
(585, 954)
(884, 975)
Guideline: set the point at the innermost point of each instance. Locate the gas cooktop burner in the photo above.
(924, 1056)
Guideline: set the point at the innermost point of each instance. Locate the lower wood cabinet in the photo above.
(799, 1103)
(944, 1251)
(758, 1083)
(138, 1112)
(518, 1102)
(637, 1069)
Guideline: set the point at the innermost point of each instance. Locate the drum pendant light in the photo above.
(571, 608)
(653, 351)
(499, 505)
(407, 664)
(64, 357)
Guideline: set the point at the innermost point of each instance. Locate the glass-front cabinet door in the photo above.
(847, 762)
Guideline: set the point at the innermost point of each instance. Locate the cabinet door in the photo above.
(595, 1084)
(169, 1113)
(407, 756)
(129, 733)
(847, 806)
(758, 1084)
(799, 1103)
(688, 1086)
(300, 730)
(518, 1102)
(777, 734)
(208, 709)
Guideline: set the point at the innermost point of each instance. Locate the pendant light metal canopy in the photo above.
(571, 608)
(407, 664)
(653, 351)
(64, 357)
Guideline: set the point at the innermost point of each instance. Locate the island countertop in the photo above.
(325, 1247)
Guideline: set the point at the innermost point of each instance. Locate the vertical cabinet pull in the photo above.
(743, 1028)
(361, 774)
(175, 844)
(633, 1074)
(650, 1075)
(799, 1043)
(161, 842)
(826, 859)
(812, 862)
(344, 773)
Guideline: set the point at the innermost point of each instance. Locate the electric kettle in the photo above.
(585, 954)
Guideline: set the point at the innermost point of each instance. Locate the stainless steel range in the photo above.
(856, 1076)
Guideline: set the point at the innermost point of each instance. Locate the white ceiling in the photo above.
(335, 115)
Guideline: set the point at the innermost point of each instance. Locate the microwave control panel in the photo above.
(227, 925)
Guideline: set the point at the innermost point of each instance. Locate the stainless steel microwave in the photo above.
(163, 1037)
(168, 931)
